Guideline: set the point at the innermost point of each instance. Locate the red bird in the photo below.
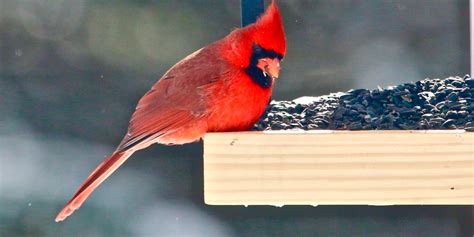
(224, 86)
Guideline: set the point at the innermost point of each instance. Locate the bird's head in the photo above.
(259, 47)
(268, 46)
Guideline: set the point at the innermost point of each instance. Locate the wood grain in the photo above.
(339, 167)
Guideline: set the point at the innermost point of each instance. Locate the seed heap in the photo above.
(426, 104)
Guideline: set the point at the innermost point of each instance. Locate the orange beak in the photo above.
(269, 66)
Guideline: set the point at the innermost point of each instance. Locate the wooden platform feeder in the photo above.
(339, 167)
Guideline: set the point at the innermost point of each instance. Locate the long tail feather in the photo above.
(104, 170)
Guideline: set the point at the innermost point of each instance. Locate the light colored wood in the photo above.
(339, 167)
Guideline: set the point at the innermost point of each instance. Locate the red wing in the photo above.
(176, 99)
(158, 125)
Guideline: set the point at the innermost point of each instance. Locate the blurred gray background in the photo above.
(71, 73)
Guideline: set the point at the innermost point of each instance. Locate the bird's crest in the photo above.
(268, 30)
(267, 33)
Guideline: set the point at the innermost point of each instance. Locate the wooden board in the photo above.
(339, 167)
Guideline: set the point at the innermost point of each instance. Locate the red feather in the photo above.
(207, 91)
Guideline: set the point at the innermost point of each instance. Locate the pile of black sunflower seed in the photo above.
(426, 104)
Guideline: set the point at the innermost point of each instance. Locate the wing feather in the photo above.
(177, 99)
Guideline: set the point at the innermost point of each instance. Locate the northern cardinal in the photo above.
(224, 86)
